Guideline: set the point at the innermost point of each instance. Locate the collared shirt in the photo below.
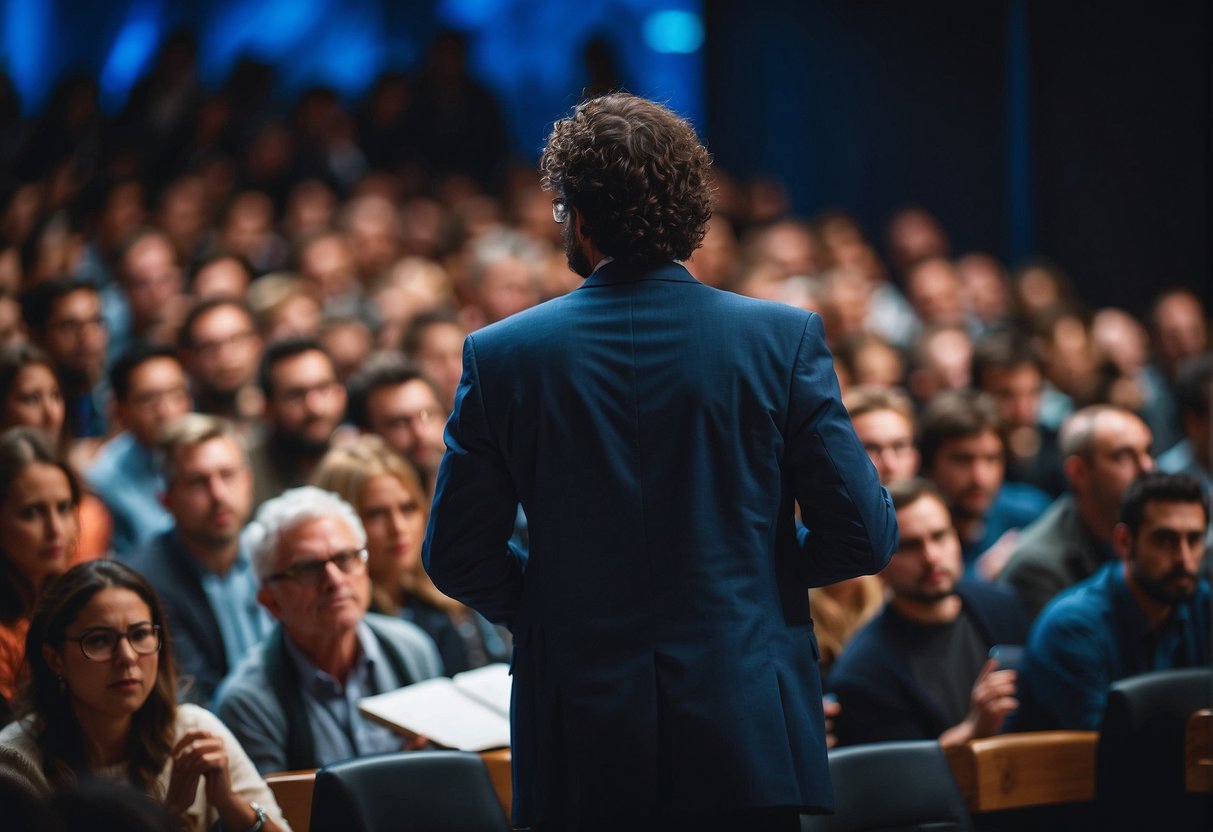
(243, 622)
(127, 479)
(1094, 634)
(339, 731)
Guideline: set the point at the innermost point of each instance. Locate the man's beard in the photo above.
(1160, 589)
(578, 262)
(299, 444)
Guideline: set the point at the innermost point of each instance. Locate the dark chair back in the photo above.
(892, 787)
(419, 791)
(1139, 765)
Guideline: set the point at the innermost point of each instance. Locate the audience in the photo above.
(393, 399)
(220, 349)
(921, 669)
(275, 255)
(101, 702)
(1006, 368)
(961, 442)
(30, 396)
(197, 566)
(64, 319)
(1103, 449)
(1148, 610)
(304, 405)
(150, 390)
(293, 701)
(394, 508)
(39, 529)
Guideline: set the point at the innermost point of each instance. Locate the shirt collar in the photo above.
(314, 679)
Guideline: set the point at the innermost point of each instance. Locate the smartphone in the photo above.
(1009, 656)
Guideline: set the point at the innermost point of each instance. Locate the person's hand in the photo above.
(829, 704)
(991, 700)
(193, 757)
(416, 742)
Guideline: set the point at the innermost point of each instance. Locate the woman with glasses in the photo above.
(392, 505)
(101, 703)
(39, 530)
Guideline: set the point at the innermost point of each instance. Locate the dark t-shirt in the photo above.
(944, 659)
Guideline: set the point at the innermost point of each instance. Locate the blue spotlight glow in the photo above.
(133, 47)
(470, 14)
(673, 31)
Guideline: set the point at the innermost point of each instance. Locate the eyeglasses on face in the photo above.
(310, 573)
(560, 209)
(99, 643)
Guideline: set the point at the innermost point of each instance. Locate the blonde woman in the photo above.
(391, 502)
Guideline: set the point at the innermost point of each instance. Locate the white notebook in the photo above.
(470, 712)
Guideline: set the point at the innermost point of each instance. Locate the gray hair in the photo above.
(288, 510)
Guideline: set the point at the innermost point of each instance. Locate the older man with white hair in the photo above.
(293, 701)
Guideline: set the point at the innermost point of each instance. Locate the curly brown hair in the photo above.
(636, 176)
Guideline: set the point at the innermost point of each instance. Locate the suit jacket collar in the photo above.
(614, 273)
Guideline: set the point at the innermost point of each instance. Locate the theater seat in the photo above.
(1139, 765)
(420, 791)
(892, 787)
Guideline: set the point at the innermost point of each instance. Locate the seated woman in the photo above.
(392, 505)
(30, 396)
(39, 529)
(101, 702)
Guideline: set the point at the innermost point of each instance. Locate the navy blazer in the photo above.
(656, 432)
(880, 698)
(197, 642)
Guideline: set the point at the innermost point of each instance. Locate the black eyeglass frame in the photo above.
(117, 637)
(311, 572)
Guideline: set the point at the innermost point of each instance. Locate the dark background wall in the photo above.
(1079, 130)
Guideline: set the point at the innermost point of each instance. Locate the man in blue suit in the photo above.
(657, 433)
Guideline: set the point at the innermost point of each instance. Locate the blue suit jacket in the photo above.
(656, 432)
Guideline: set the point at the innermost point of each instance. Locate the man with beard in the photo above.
(220, 349)
(1147, 611)
(390, 397)
(961, 442)
(657, 433)
(198, 567)
(922, 668)
(304, 405)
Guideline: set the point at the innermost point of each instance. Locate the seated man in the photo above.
(198, 567)
(150, 390)
(390, 397)
(293, 702)
(884, 422)
(1147, 611)
(921, 669)
(1104, 449)
(963, 453)
(304, 405)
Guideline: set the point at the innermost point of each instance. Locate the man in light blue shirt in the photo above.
(150, 390)
(198, 567)
(293, 701)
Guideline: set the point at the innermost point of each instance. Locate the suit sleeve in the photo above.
(850, 526)
(467, 551)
